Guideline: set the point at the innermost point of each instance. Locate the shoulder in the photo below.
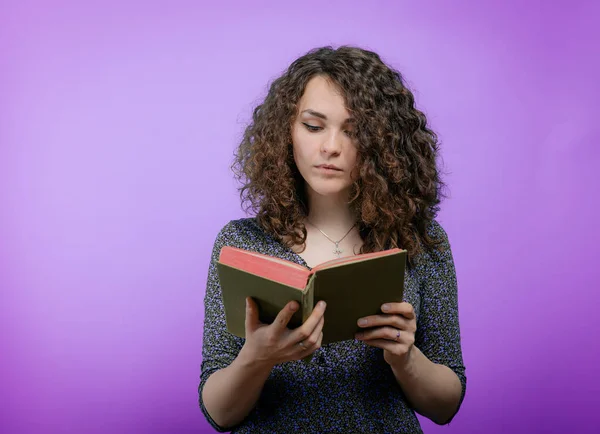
(244, 233)
(236, 228)
(441, 249)
(437, 232)
(434, 266)
(249, 234)
(239, 231)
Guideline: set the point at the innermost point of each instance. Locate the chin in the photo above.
(329, 188)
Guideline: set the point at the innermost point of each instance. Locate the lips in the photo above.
(329, 167)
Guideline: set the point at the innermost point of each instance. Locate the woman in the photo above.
(337, 162)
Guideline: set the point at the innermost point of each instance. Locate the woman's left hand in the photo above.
(393, 331)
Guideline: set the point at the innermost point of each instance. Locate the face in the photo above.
(323, 144)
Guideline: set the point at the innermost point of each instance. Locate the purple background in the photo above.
(117, 126)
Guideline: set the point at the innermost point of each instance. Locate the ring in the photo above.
(301, 343)
(398, 336)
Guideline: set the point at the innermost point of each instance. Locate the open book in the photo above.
(352, 287)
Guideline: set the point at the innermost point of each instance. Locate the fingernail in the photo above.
(247, 304)
(362, 322)
(385, 307)
(322, 304)
(293, 307)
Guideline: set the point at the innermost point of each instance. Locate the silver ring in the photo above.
(301, 343)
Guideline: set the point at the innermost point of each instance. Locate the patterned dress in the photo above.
(347, 387)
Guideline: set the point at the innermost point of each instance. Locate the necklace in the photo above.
(337, 251)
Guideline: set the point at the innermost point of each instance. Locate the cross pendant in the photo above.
(337, 250)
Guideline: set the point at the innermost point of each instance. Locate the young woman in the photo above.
(337, 162)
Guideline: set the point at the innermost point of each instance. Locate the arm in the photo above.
(219, 348)
(230, 393)
(425, 360)
(434, 375)
(234, 370)
(434, 390)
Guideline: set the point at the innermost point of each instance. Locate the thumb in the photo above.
(252, 321)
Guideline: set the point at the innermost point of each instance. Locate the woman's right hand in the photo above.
(275, 343)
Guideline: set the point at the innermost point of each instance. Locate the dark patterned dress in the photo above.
(347, 387)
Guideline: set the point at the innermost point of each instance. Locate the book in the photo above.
(353, 287)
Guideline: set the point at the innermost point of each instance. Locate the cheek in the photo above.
(352, 162)
(302, 159)
(299, 155)
(303, 148)
(296, 144)
(295, 147)
(352, 156)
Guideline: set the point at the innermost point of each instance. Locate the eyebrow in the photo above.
(322, 116)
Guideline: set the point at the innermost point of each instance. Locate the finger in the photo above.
(311, 341)
(283, 317)
(320, 341)
(309, 349)
(405, 309)
(396, 321)
(252, 322)
(306, 338)
(311, 323)
(388, 333)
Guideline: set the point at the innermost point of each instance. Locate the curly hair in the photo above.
(398, 189)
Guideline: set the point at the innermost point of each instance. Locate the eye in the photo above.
(311, 127)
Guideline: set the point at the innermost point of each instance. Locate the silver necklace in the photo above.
(337, 251)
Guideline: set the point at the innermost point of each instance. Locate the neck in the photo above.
(330, 214)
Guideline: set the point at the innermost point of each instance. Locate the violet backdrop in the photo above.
(118, 122)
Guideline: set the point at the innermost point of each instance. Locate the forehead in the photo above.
(325, 97)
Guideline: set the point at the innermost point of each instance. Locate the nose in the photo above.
(332, 144)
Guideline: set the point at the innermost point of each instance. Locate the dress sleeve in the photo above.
(438, 329)
(219, 347)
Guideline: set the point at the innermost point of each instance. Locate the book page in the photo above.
(352, 259)
(271, 258)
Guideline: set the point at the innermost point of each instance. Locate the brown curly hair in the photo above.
(398, 189)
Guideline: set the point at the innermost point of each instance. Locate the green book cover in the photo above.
(352, 287)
